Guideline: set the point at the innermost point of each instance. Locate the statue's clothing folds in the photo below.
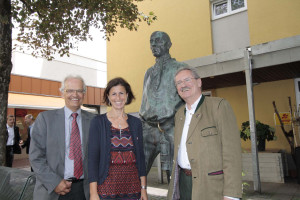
(159, 105)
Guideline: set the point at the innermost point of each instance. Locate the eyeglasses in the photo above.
(71, 91)
(186, 80)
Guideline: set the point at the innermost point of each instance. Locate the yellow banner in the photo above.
(285, 118)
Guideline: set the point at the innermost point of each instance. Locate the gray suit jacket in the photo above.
(47, 152)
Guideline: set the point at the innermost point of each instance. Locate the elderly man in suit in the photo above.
(58, 152)
(207, 147)
(12, 140)
(29, 121)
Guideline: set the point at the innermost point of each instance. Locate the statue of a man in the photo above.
(160, 103)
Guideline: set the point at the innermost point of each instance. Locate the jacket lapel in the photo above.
(196, 117)
(179, 123)
(194, 122)
(60, 133)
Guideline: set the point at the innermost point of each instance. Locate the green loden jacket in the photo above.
(214, 151)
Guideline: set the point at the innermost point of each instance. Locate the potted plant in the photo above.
(263, 132)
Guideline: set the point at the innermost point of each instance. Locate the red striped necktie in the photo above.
(75, 148)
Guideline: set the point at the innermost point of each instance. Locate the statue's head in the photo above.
(160, 43)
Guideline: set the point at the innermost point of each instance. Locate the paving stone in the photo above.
(289, 190)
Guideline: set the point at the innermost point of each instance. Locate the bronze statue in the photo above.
(160, 103)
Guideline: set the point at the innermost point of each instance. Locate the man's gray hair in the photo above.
(191, 69)
(62, 88)
(30, 116)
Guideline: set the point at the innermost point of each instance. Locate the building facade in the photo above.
(35, 81)
(220, 38)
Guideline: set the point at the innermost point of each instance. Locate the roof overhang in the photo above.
(275, 60)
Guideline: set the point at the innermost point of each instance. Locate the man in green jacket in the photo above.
(207, 147)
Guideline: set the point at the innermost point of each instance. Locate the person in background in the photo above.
(29, 121)
(207, 145)
(13, 140)
(116, 157)
(58, 149)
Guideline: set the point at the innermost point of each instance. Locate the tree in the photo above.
(47, 27)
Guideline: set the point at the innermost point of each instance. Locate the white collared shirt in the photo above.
(11, 135)
(183, 159)
(69, 164)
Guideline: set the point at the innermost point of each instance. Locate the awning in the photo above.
(34, 102)
(25, 101)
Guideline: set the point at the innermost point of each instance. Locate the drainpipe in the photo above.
(249, 85)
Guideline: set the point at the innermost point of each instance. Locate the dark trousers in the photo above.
(185, 186)
(76, 193)
(9, 156)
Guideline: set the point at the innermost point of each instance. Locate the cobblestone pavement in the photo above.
(156, 190)
(156, 197)
(289, 190)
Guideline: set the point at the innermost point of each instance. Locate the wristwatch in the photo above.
(144, 187)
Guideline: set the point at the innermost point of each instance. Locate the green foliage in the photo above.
(263, 131)
(54, 26)
(244, 184)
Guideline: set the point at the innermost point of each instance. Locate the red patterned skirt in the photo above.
(122, 181)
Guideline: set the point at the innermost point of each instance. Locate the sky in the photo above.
(95, 49)
(88, 60)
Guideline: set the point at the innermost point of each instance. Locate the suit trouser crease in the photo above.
(9, 156)
(185, 186)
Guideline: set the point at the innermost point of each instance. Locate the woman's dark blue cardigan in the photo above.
(99, 147)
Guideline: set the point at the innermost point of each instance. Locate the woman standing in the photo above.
(116, 160)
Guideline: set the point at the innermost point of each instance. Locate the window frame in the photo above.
(229, 9)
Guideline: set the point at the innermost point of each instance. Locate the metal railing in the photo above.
(16, 184)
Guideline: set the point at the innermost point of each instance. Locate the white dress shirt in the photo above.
(11, 135)
(69, 164)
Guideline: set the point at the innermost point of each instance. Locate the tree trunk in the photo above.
(5, 69)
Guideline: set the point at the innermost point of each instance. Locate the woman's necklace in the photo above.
(119, 121)
(120, 127)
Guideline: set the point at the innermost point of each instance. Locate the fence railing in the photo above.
(16, 184)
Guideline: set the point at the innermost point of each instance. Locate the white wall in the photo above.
(231, 32)
(89, 61)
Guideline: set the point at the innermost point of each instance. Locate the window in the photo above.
(227, 7)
